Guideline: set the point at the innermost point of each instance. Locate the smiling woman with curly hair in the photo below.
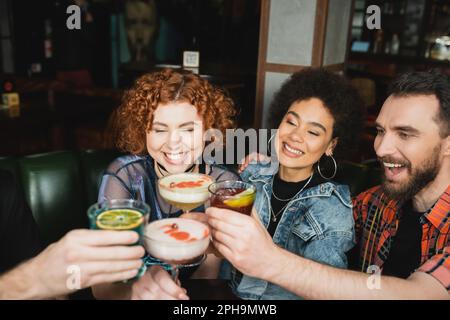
(302, 208)
(137, 112)
(161, 123)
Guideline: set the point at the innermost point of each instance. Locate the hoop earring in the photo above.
(335, 168)
(269, 143)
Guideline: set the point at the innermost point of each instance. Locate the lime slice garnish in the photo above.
(242, 199)
(119, 219)
(246, 192)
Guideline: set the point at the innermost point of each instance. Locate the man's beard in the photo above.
(419, 178)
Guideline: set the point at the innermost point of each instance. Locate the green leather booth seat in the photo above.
(60, 186)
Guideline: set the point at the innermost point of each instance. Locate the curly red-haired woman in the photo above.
(162, 123)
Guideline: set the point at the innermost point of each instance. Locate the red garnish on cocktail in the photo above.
(186, 184)
(181, 235)
(172, 230)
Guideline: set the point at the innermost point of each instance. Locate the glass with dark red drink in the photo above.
(234, 195)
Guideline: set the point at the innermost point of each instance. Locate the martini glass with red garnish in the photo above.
(185, 191)
(178, 242)
(183, 242)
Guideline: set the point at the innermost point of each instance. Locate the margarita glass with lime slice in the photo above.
(234, 195)
(120, 215)
(185, 191)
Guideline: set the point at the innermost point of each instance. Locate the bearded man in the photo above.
(402, 226)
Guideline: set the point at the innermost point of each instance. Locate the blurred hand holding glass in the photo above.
(120, 215)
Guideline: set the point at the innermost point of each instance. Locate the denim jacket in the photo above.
(318, 225)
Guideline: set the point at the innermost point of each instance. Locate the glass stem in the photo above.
(174, 271)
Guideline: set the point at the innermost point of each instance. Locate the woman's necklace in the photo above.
(163, 171)
(275, 215)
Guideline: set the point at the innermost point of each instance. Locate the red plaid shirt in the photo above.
(376, 223)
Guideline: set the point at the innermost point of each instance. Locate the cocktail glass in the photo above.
(234, 195)
(120, 215)
(185, 191)
(178, 242)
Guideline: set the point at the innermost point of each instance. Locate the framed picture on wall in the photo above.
(191, 59)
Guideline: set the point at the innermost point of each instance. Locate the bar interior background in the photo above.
(56, 137)
(71, 81)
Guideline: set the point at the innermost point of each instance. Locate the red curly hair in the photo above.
(134, 117)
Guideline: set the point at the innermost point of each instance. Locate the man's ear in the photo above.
(331, 146)
(446, 146)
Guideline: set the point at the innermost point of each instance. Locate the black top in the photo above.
(19, 237)
(287, 190)
(405, 252)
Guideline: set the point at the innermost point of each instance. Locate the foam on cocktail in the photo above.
(185, 190)
(176, 240)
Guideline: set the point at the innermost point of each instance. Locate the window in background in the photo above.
(6, 38)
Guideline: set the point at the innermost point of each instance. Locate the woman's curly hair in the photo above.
(337, 94)
(134, 117)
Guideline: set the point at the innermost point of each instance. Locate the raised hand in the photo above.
(242, 240)
(252, 158)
